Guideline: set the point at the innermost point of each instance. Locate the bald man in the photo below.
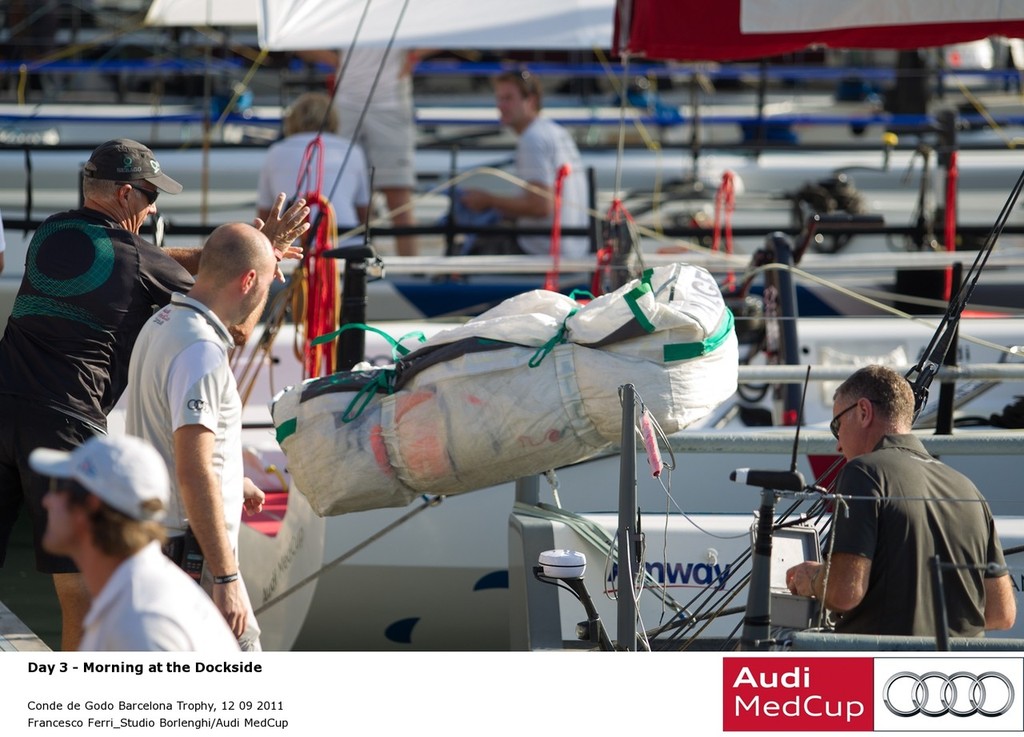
(183, 399)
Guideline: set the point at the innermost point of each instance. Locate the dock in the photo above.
(15, 636)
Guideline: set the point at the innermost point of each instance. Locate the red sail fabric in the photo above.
(697, 30)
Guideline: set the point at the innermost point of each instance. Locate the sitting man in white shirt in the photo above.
(543, 148)
(104, 507)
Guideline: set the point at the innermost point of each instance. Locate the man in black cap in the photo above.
(128, 161)
(90, 284)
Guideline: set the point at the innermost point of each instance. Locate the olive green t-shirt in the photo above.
(914, 507)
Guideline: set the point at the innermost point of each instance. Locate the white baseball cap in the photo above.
(123, 471)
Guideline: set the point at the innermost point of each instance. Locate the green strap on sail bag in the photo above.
(633, 298)
(381, 384)
(286, 429)
(397, 349)
(684, 351)
(559, 337)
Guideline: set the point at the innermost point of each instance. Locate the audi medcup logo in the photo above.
(934, 694)
(951, 700)
(794, 694)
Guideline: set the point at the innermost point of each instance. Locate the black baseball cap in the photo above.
(125, 160)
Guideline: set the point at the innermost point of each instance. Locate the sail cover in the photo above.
(530, 385)
(286, 25)
(728, 30)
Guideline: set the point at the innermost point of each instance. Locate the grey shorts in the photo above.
(388, 139)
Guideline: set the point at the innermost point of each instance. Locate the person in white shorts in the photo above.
(388, 130)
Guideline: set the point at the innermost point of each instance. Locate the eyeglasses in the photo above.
(834, 425)
(149, 194)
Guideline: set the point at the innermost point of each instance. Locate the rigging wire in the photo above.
(373, 87)
(921, 375)
(338, 78)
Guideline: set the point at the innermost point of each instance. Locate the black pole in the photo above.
(596, 632)
(352, 343)
(449, 231)
(695, 132)
(947, 390)
(626, 626)
(757, 620)
(28, 188)
(786, 284)
(947, 121)
(762, 99)
(593, 224)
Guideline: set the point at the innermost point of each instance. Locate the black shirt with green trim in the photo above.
(89, 286)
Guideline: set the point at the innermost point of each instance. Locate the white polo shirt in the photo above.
(282, 170)
(179, 375)
(541, 151)
(151, 604)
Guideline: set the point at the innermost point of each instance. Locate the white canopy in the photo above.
(203, 13)
(437, 24)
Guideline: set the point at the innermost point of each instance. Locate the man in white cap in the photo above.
(104, 506)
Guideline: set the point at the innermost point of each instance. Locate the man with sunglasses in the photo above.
(91, 282)
(901, 508)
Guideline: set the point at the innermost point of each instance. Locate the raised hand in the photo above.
(283, 227)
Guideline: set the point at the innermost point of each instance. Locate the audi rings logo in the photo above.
(196, 405)
(936, 694)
